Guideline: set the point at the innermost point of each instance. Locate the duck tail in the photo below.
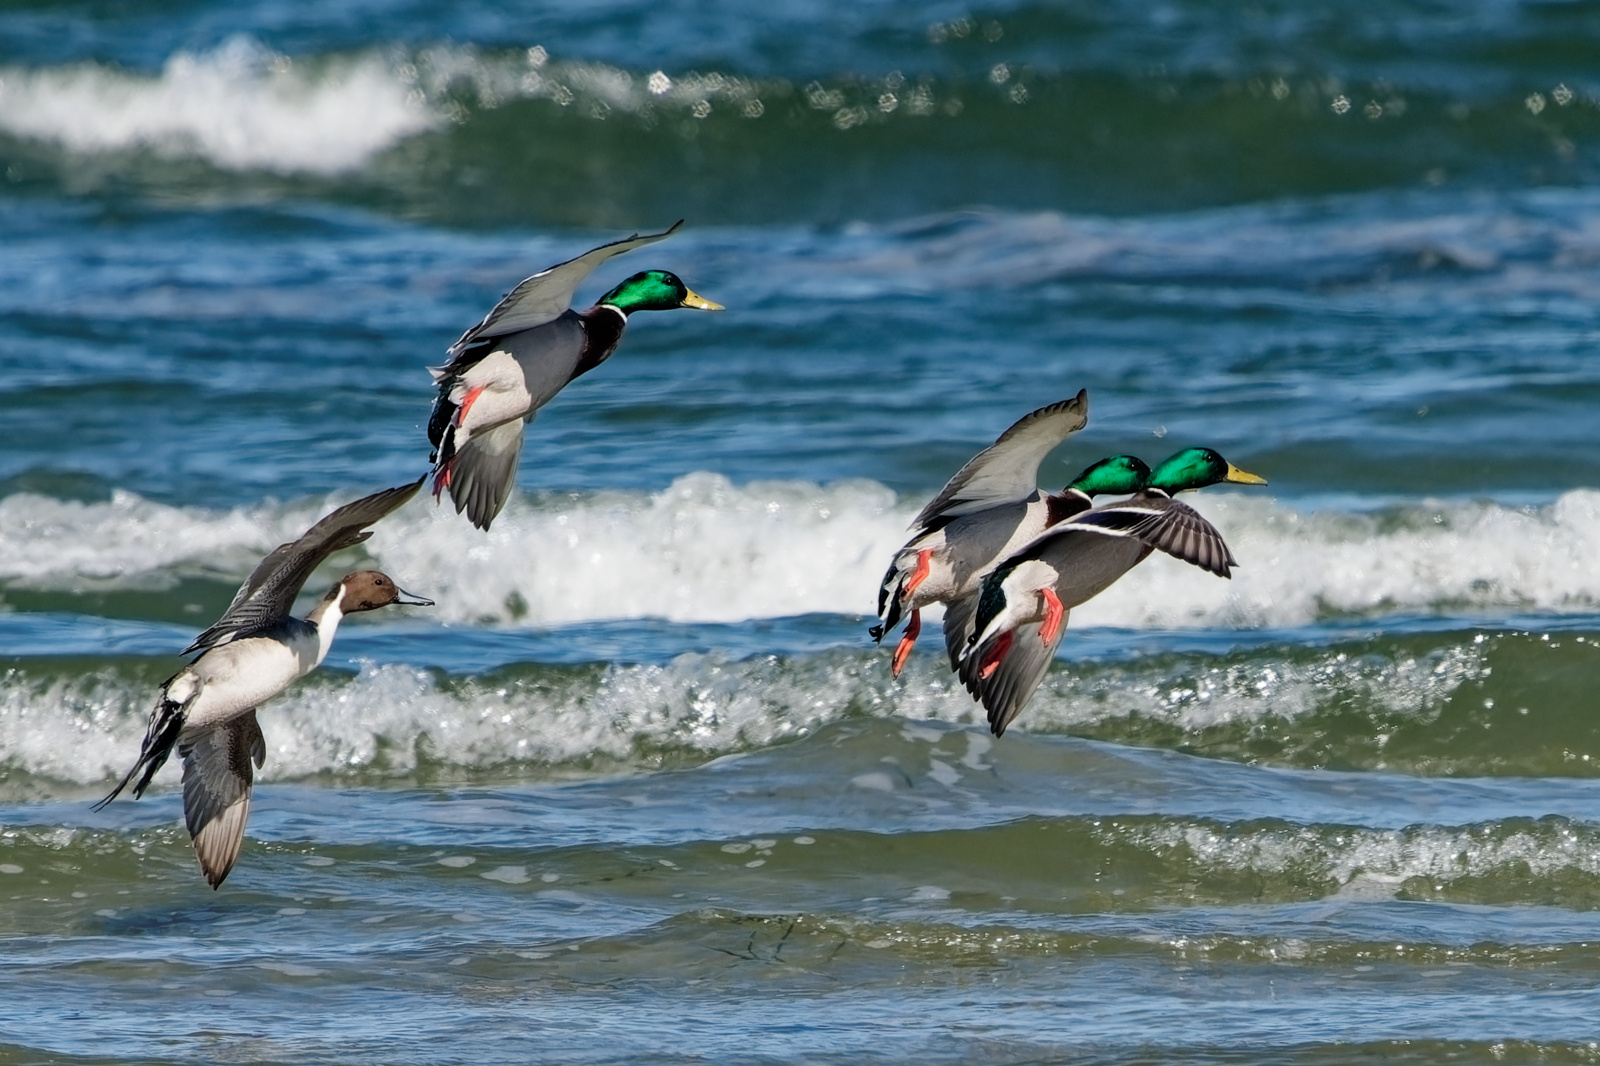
(887, 620)
(166, 722)
(888, 601)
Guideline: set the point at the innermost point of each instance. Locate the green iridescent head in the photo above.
(1116, 475)
(1195, 468)
(655, 290)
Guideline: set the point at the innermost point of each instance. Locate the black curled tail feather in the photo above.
(888, 623)
(444, 412)
(888, 603)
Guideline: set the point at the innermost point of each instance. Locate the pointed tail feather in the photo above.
(166, 722)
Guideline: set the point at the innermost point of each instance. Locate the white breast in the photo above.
(505, 395)
(246, 673)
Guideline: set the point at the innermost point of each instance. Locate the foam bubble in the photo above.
(240, 107)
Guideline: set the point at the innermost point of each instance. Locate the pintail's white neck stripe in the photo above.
(327, 623)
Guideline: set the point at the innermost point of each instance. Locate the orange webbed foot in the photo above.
(902, 651)
(995, 655)
(1053, 613)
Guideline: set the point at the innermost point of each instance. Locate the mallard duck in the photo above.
(1004, 637)
(991, 506)
(252, 653)
(525, 351)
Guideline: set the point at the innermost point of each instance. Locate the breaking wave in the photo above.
(707, 550)
(240, 107)
(1452, 704)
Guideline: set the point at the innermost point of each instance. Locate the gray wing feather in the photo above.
(1008, 470)
(483, 471)
(217, 776)
(1009, 688)
(268, 593)
(543, 297)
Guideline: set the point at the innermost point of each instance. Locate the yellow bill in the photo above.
(1243, 477)
(703, 304)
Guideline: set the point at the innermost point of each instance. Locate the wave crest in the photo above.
(240, 107)
(707, 550)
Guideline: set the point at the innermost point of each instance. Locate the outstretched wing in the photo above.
(543, 297)
(1009, 684)
(217, 777)
(269, 592)
(481, 474)
(1008, 470)
(1162, 523)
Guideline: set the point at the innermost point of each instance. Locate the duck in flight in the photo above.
(991, 506)
(1002, 638)
(254, 651)
(527, 349)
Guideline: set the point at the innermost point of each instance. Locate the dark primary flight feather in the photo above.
(1012, 682)
(217, 776)
(1160, 522)
(269, 592)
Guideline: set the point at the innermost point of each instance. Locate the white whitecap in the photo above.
(239, 107)
(706, 550)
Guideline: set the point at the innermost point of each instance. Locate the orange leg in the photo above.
(441, 479)
(466, 405)
(902, 652)
(996, 653)
(1053, 613)
(918, 576)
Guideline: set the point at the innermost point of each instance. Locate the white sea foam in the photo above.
(1371, 863)
(390, 719)
(703, 550)
(1199, 696)
(243, 106)
(394, 719)
(238, 107)
(706, 550)
(135, 542)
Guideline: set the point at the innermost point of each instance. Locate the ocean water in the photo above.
(639, 787)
